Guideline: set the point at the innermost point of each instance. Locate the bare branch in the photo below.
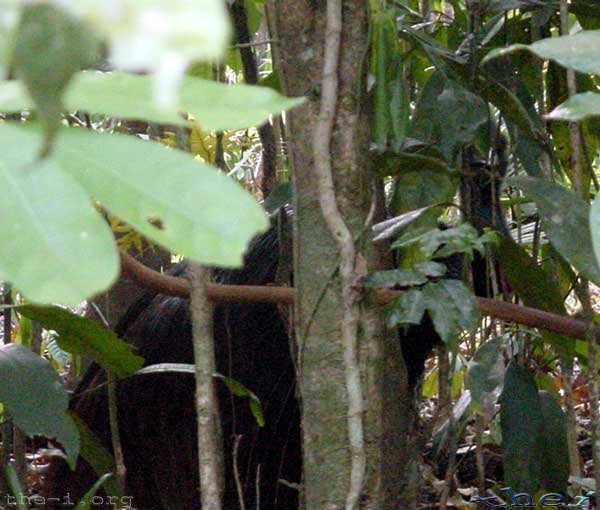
(172, 286)
(207, 410)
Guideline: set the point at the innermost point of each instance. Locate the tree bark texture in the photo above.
(298, 26)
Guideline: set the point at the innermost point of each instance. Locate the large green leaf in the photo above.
(521, 421)
(55, 247)
(215, 106)
(566, 220)
(555, 452)
(35, 397)
(485, 86)
(486, 370)
(164, 193)
(419, 188)
(448, 116)
(452, 308)
(407, 308)
(577, 107)
(79, 335)
(579, 51)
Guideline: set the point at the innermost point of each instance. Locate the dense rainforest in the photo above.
(299, 255)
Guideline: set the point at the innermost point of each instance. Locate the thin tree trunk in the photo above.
(331, 470)
(210, 445)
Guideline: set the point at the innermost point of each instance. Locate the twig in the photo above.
(113, 417)
(209, 436)
(236, 471)
(257, 485)
(253, 44)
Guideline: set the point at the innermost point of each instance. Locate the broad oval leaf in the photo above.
(35, 397)
(79, 335)
(55, 247)
(486, 370)
(555, 453)
(407, 308)
(447, 115)
(167, 195)
(215, 106)
(452, 308)
(567, 222)
(578, 51)
(577, 107)
(521, 421)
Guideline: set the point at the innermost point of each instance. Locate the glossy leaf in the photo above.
(443, 243)
(432, 269)
(239, 390)
(389, 229)
(56, 248)
(35, 397)
(566, 220)
(281, 196)
(422, 187)
(407, 308)
(165, 194)
(578, 51)
(390, 99)
(577, 107)
(384, 39)
(398, 163)
(452, 308)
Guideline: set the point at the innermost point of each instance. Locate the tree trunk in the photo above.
(299, 28)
